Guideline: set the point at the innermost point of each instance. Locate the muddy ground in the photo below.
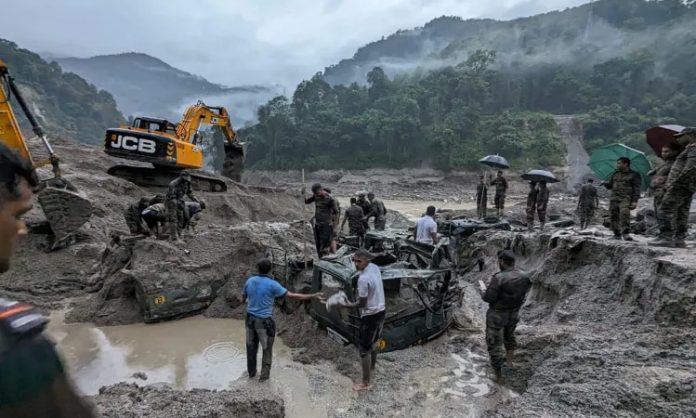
(128, 400)
(608, 328)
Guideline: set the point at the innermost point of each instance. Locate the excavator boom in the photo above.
(66, 209)
(171, 148)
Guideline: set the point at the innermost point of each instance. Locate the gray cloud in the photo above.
(233, 42)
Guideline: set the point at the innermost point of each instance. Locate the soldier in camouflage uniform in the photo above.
(625, 192)
(659, 180)
(542, 203)
(326, 215)
(500, 189)
(365, 205)
(531, 204)
(588, 202)
(132, 216)
(176, 206)
(355, 215)
(481, 197)
(505, 295)
(679, 191)
(377, 211)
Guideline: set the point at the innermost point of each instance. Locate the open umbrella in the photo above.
(603, 161)
(540, 175)
(659, 136)
(495, 161)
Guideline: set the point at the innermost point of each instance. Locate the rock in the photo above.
(139, 375)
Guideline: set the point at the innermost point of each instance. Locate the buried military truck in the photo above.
(420, 303)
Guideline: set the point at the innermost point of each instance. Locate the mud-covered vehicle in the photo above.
(419, 302)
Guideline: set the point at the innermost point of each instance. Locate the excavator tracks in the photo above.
(161, 177)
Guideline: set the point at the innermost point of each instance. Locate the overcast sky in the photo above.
(236, 42)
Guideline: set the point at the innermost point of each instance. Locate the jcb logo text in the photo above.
(131, 143)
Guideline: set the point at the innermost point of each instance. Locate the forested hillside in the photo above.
(482, 86)
(65, 103)
(147, 86)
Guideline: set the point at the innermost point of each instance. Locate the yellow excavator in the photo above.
(172, 148)
(65, 208)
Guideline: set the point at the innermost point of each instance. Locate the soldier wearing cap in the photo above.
(178, 188)
(505, 295)
(679, 191)
(326, 214)
(501, 186)
(624, 184)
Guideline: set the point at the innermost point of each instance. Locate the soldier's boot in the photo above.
(679, 243)
(509, 357)
(627, 237)
(617, 235)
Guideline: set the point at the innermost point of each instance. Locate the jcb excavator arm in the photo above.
(200, 113)
(65, 208)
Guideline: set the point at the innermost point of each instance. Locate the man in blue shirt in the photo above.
(260, 292)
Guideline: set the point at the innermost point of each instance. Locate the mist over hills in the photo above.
(147, 86)
(584, 36)
(447, 93)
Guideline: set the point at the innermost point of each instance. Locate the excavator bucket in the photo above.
(65, 208)
(234, 162)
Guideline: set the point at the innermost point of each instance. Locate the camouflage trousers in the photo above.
(175, 218)
(500, 332)
(499, 200)
(133, 221)
(586, 215)
(531, 211)
(481, 208)
(620, 216)
(380, 223)
(674, 212)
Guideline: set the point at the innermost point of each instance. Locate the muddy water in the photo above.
(413, 209)
(194, 352)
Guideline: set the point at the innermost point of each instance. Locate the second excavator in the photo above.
(172, 148)
(65, 207)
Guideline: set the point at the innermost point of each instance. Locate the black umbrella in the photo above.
(495, 161)
(540, 175)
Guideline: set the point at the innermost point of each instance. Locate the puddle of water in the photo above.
(190, 353)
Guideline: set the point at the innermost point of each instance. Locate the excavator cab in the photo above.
(65, 208)
(153, 124)
(171, 148)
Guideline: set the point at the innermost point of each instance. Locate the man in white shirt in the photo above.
(371, 304)
(426, 228)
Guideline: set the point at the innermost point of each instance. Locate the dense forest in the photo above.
(625, 67)
(65, 103)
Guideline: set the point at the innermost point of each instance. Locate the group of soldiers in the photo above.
(672, 185)
(327, 216)
(537, 198)
(148, 216)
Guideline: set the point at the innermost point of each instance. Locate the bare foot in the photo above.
(360, 387)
